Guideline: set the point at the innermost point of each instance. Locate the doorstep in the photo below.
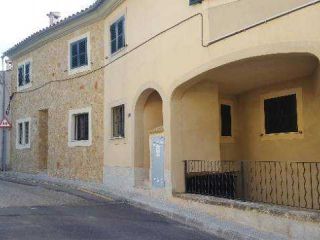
(225, 220)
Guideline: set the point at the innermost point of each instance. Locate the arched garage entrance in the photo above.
(149, 135)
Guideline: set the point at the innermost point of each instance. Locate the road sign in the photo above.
(5, 124)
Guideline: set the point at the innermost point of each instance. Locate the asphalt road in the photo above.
(36, 212)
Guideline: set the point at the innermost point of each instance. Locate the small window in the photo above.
(193, 2)
(117, 35)
(281, 114)
(24, 74)
(118, 121)
(79, 54)
(23, 134)
(226, 120)
(81, 131)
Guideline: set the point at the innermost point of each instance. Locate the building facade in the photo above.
(5, 92)
(126, 91)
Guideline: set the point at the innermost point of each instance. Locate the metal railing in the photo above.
(295, 184)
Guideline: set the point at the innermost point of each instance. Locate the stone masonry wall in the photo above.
(50, 63)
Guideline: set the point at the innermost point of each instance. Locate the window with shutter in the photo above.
(226, 120)
(79, 53)
(117, 35)
(24, 75)
(23, 133)
(193, 2)
(26, 132)
(27, 73)
(281, 114)
(21, 76)
(20, 133)
(81, 127)
(118, 121)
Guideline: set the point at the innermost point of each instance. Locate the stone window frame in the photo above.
(20, 64)
(228, 139)
(280, 93)
(84, 68)
(71, 128)
(21, 146)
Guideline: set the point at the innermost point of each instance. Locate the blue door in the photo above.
(157, 158)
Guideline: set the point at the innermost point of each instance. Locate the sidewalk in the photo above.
(209, 218)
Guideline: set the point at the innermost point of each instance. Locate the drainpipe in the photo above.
(4, 132)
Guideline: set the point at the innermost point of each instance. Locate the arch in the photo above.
(203, 87)
(246, 53)
(148, 117)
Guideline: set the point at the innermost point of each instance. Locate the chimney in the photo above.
(54, 17)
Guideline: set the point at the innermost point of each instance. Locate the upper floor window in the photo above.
(118, 121)
(23, 133)
(24, 75)
(79, 53)
(117, 35)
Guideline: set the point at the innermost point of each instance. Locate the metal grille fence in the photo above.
(295, 184)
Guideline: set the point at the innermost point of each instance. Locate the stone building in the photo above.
(127, 93)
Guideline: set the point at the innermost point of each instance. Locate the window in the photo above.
(117, 35)
(79, 53)
(281, 114)
(193, 2)
(23, 133)
(80, 127)
(24, 75)
(226, 120)
(118, 122)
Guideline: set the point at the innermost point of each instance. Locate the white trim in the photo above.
(71, 141)
(26, 86)
(83, 68)
(18, 145)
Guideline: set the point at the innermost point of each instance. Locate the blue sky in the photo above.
(20, 18)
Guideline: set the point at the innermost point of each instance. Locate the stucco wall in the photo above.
(293, 148)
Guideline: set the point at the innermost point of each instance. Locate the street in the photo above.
(37, 212)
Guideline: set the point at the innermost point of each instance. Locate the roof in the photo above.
(50, 29)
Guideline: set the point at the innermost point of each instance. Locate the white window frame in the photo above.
(71, 128)
(23, 145)
(23, 64)
(72, 71)
(290, 135)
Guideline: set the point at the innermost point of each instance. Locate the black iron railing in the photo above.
(295, 184)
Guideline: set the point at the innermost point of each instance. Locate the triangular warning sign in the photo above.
(5, 123)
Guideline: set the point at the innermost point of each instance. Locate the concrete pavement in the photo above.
(36, 212)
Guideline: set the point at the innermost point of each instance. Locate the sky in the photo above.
(21, 18)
